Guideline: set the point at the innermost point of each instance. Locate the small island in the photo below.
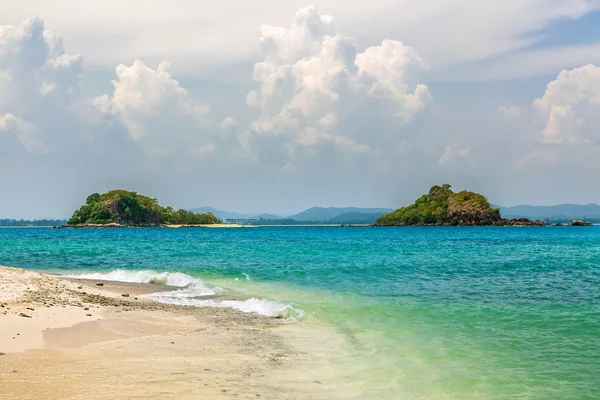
(120, 208)
(443, 207)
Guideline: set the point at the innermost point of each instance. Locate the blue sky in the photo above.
(277, 107)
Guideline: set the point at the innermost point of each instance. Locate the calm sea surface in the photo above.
(432, 313)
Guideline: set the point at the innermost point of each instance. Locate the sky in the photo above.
(275, 106)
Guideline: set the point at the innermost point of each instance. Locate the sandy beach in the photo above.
(76, 339)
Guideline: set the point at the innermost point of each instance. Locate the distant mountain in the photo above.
(270, 217)
(561, 211)
(327, 214)
(356, 218)
(221, 214)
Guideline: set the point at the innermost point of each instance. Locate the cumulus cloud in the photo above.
(52, 135)
(38, 84)
(149, 102)
(570, 107)
(453, 154)
(317, 90)
(24, 132)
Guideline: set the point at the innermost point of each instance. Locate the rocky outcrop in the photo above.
(520, 222)
(578, 222)
(443, 207)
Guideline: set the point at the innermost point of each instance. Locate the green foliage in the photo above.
(184, 217)
(441, 206)
(133, 209)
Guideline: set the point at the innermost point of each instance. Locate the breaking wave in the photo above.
(190, 292)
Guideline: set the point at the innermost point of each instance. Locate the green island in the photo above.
(443, 207)
(123, 208)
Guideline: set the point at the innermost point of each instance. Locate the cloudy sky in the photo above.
(272, 106)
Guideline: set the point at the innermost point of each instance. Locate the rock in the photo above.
(559, 224)
(86, 309)
(125, 295)
(88, 315)
(578, 222)
(24, 315)
(99, 284)
(30, 309)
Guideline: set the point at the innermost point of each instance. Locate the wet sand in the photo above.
(74, 339)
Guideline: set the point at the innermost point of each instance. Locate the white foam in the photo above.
(191, 292)
(176, 279)
(265, 307)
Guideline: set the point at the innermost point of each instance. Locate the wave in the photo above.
(176, 279)
(190, 292)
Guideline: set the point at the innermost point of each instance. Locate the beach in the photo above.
(73, 338)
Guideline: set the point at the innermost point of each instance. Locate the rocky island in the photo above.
(120, 208)
(443, 207)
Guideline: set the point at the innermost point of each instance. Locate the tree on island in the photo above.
(442, 207)
(132, 209)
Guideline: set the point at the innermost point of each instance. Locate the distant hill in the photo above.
(561, 211)
(334, 215)
(331, 213)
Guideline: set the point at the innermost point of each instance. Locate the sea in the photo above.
(426, 312)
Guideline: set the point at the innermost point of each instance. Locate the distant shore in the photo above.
(114, 225)
(119, 345)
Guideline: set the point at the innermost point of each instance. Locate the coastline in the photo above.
(65, 338)
(115, 225)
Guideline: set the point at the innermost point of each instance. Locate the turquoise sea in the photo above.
(428, 313)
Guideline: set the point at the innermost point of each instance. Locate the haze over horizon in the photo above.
(275, 111)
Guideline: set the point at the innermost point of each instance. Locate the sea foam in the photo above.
(190, 292)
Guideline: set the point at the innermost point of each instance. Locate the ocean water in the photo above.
(428, 313)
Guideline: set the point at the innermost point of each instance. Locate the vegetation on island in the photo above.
(125, 208)
(443, 207)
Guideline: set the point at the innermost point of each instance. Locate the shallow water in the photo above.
(435, 313)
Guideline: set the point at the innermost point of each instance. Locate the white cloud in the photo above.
(39, 84)
(570, 107)
(8, 123)
(394, 69)
(24, 132)
(314, 85)
(453, 154)
(209, 148)
(228, 123)
(146, 99)
(510, 111)
(197, 32)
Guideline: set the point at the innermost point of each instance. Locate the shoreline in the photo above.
(119, 226)
(69, 338)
